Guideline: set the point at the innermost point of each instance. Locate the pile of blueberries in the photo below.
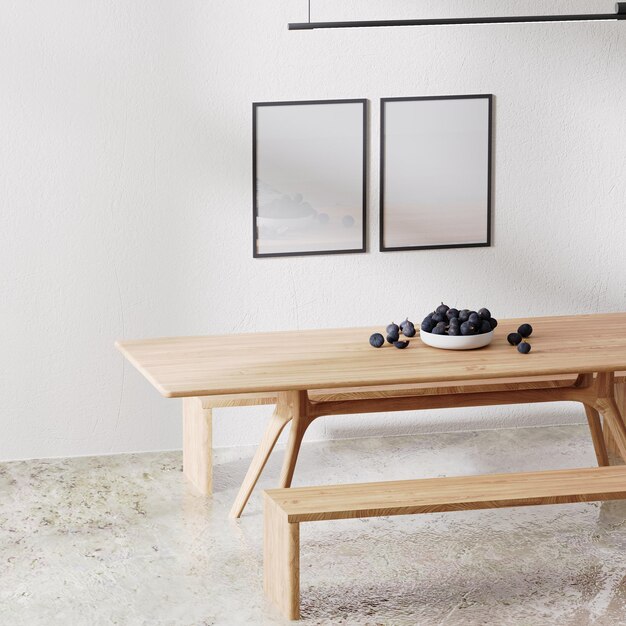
(519, 338)
(450, 321)
(407, 328)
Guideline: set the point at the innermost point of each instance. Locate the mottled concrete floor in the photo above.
(123, 540)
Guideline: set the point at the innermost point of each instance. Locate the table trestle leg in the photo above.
(281, 416)
(611, 445)
(301, 420)
(606, 404)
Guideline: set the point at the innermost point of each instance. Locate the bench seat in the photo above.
(285, 509)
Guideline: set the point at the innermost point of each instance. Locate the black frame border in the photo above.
(255, 106)
(487, 244)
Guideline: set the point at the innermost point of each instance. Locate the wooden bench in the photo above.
(197, 419)
(285, 509)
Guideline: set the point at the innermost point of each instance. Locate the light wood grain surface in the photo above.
(404, 497)
(337, 358)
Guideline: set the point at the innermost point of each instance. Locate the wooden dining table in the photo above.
(311, 373)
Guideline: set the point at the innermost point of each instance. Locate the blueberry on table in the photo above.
(401, 345)
(403, 324)
(393, 338)
(484, 314)
(485, 327)
(377, 340)
(409, 330)
(525, 330)
(450, 313)
(474, 318)
(523, 347)
(493, 322)
(393, 329)
(514, 339)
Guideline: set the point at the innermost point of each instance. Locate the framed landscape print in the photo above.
(309, 177)
(435, 172)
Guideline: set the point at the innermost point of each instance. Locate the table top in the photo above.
(337, 358)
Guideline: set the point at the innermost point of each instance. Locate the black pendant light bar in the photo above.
(620, 14)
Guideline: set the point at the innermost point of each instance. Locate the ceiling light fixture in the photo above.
(620, 14)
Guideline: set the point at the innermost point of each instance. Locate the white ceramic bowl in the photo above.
(456, 342)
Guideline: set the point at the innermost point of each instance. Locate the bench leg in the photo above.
(278, 421)
(301, 420)
(198, 445)
(281, 560)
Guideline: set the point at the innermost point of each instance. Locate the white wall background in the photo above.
(125, 168)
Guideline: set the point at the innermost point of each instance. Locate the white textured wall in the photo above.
(125, 196)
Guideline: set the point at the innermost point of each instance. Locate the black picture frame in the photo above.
(489, 182)
(256, 106)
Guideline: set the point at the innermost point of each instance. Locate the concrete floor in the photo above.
(123, 540)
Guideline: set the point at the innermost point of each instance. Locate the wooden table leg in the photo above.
(586, 381)
(611, 411)
(301, 419)
(282, 415)
(597, 435)
(610, 443)
(198, 444)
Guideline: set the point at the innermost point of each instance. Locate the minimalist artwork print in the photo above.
(435, 187)
(309, 177)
